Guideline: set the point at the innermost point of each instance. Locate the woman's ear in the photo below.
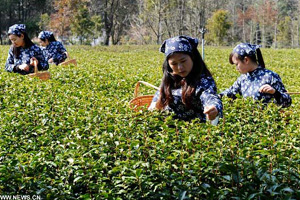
(22, 36)
(246, 60)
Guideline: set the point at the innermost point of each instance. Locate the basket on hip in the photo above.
(43, 75)
(138, 102)
(68, 61)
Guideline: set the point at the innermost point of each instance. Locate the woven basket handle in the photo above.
(293, 92)
(136, 90)
(35, 66)
(68, 56)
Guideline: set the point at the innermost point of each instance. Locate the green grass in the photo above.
(75, 137)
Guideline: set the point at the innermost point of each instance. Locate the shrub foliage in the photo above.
(74, 136)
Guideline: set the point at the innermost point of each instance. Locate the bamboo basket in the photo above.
(68, 61)
(293, 92)
(43, 75)
(141, 101)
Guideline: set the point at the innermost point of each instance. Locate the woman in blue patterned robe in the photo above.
(23, 52)
(53, 50)
(187, 88)
(256, 81)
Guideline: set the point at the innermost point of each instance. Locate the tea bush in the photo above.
(75, 137)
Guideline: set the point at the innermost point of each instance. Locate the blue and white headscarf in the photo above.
(17, 29)
(178, 44)
(246, 49)
(45, 35)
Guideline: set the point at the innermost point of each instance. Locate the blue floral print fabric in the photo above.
(17, 29)
(45, 35)
(178, 44)
(205, 95)
(55, 50)
(248, 85)
(24, 58)
(245, 49)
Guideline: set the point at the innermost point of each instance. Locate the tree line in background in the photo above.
(271, 23)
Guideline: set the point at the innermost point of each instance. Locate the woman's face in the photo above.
(43, 43)
(17, 41)
(242, 66)
(181, 64)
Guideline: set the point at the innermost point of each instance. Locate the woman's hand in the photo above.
(211, 112)
(50, 60)
(267, 89)
(24, 67)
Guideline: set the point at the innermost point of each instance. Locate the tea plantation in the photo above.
(75, 137)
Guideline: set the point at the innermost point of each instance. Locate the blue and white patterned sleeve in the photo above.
(154, 101)
(60, 55)
(209, 95)
(10, 66)
(233, 90)
(281, 97)
(38, 54)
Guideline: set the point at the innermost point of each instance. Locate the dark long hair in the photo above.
(27, 41)
(188, 83)
(257, 58)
